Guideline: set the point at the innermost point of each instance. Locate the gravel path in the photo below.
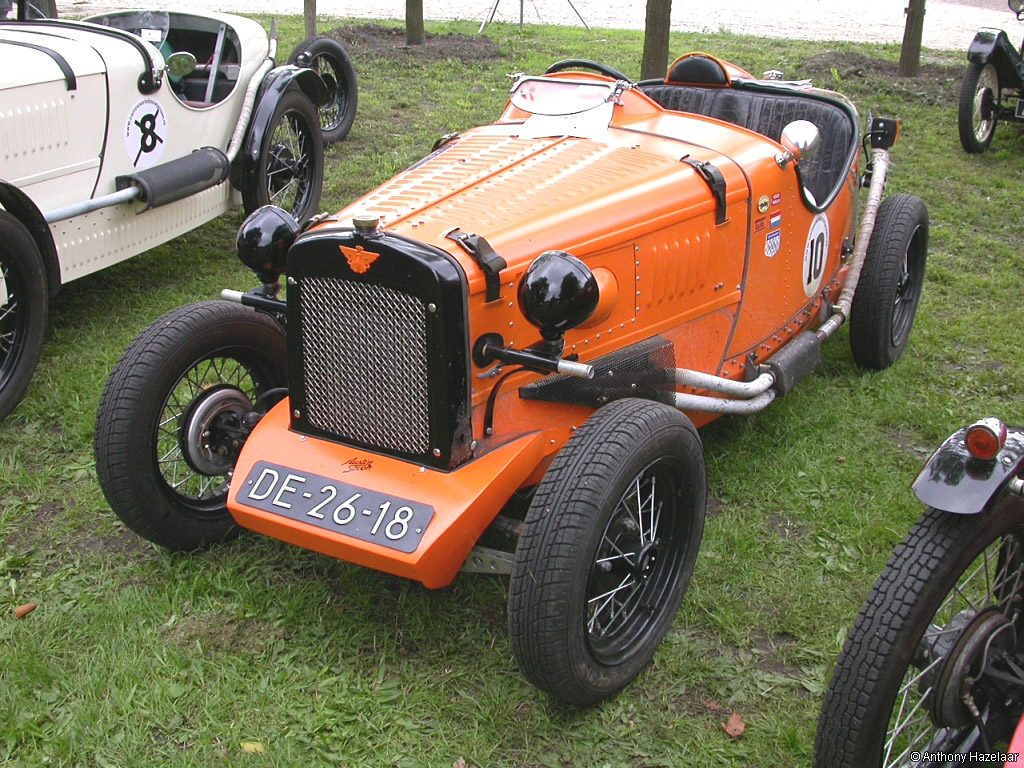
(949, 25)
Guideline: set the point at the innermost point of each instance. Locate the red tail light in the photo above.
(985, 438)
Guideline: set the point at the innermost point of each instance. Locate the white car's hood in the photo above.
(29, 56)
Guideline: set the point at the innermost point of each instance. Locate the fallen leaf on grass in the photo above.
(251, 746)
(24, 610)
(714, 706)
(735, 727)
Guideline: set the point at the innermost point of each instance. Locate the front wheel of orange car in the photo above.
(607, 550)
(175, 413)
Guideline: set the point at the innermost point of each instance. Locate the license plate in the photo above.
(338, 507)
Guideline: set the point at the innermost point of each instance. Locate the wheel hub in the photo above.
(281, 168)
(967, 644)
(646, 559)
(209, 433)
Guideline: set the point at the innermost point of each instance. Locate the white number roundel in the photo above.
(815, 255)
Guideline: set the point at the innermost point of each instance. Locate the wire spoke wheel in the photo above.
(11, 325)
(190, 438)
(328, 59)
(890, 286)
(607, 550)
(921, 721)
(289, 171)
(978, 110)
(635, 562)
(23, 307)
(932, 662)
(290, 168)
(175, 414)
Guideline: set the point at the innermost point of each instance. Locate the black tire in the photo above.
(290, 169)
(23, 307)
(890, 284)
(901, 670)
(166, 429)
(977, 113)
(330, 60)
(582, 540)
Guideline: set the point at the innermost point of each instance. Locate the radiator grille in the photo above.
(365, 363)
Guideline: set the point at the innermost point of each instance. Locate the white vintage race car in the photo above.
(123, 130)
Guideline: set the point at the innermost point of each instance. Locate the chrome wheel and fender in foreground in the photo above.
(175, 413)
(933, 662)
(607, 550)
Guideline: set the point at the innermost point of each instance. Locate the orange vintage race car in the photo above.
(497, 361)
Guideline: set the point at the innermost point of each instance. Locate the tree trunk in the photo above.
(414, 34)
(309, 13)
(656, 29)
(910, 53)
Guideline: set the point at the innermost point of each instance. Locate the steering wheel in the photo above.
(603, 69)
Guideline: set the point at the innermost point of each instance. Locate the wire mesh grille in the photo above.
(365, 369)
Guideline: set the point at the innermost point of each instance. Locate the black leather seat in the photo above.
(760, 109)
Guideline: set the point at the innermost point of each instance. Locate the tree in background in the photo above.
(655, 60)
(910, 52)
(309, 14)
(414, 34)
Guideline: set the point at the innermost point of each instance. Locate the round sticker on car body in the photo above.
(145, 134)
(815, 255)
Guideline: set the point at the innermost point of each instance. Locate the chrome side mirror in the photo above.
(1017, 6)
(800, 139)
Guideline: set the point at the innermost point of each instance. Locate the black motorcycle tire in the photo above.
(23, 308)
(290, 165)
(890, 284)
(333, 64)
(861, 703)
(175, 378)
(579, 521)
(976, 131)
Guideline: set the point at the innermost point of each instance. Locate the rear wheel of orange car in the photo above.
(174, 415)
(889, 290)
(607, 550)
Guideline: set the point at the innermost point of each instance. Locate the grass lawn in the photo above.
(256, 653)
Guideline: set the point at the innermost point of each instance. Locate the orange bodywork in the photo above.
(726, 288)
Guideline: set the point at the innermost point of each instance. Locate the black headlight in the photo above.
(264, 239)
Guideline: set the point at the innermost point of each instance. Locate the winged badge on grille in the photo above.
(359, 259)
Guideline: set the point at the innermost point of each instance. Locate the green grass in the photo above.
(140, 657)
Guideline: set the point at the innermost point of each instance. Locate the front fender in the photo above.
(463, 501)
(954, 481)
(992, 46)
(19, 205)
(277, 82)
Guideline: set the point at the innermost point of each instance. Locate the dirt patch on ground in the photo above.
(378, 41)
(937, 81)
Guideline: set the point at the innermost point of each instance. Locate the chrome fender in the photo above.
(954, 481)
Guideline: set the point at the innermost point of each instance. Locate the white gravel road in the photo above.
(948, 25)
